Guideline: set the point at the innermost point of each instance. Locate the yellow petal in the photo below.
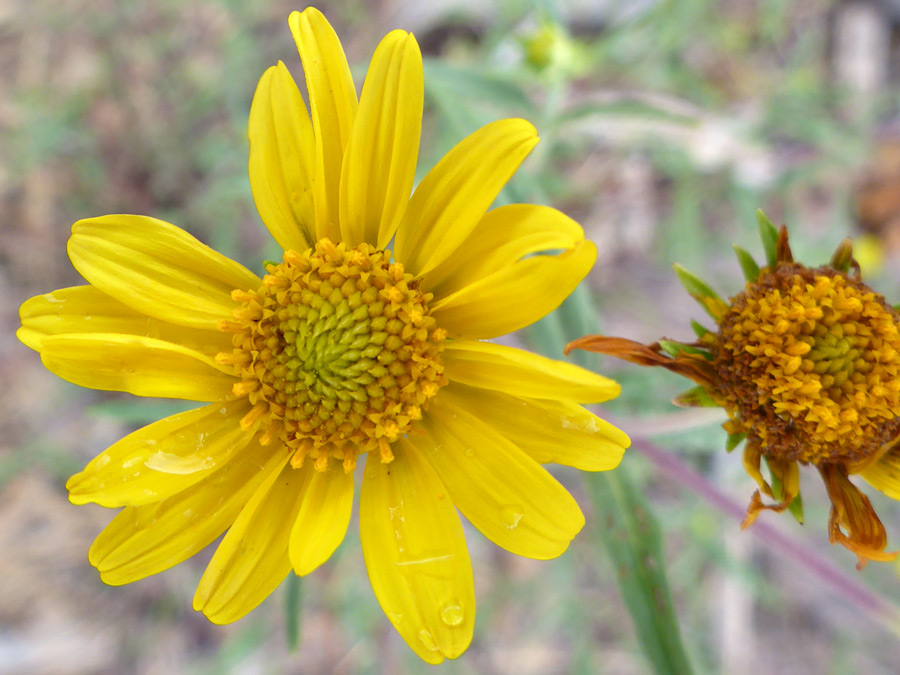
(558, 432)
(501, 238)
(138, 365)
(332, 102)
(515, 296)
(503, 492)
(521, 373)
(322, 521)
(455, 194)
(380, 158)
(282, 160)
(884, 475)
(144, 540)
(163, 458)
(416, 554)
(158, 269)
(252, 559)
(84, 309)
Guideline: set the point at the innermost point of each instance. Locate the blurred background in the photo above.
(664, 125)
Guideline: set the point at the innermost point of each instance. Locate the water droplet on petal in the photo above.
(511, 515)
(427, 639)
(452, 615)
(470, 452)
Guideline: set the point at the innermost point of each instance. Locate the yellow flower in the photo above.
(343, 349)
(806, 363)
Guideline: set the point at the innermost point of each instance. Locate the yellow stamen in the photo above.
(338, 349)
(805, 359)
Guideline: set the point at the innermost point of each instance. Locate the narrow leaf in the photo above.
(843, 256)
(292, 604)
(693, 284)
(748, 264)
(631, 535)
(733, 441)
(701, 292)
(769, 237)
(696, 397)
(675, 349)
(700, 330)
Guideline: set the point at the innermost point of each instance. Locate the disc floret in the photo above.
(806, 364)
(337, 352)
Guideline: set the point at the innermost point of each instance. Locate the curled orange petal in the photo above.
(853, 522)
(688, 365)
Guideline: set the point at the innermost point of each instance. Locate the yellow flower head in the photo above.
(806, 363)
(344, 350)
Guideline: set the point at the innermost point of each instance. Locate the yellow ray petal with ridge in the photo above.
(380, 157)
(884, 475)
(322, 521)
(522, 373)
(144, 540)
(282, 160)
(416, 554)
(163, 458)
(158, 269)
(252, 559)
(85, 309)
(515, 296)
(503, 492)
(558, 432)
(332, 103)
(137, 365)
(457, 192)
(502, 238)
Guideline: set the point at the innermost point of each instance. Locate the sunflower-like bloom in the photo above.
(341, 350)
(806, 363)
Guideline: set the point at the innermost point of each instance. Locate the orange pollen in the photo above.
(337, 351)
(809, 365)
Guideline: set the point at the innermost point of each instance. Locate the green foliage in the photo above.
(748, 264)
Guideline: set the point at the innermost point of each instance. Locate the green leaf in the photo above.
(843, 256)
(733, 441)
(699, 329)
(748, 264)
(795, 508)
(674, 349)
(694, 284)
(623, 525)
(701, 292)
(696, 397)
(769, 237)
(293, 599)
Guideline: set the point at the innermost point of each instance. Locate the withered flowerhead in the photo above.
(805, 363)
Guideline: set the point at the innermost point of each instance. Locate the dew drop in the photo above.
(470, 452)
(452, 615)
(427, 639)
(511, 515)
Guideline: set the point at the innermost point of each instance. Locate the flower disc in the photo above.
(337, 351)
(808, 365)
